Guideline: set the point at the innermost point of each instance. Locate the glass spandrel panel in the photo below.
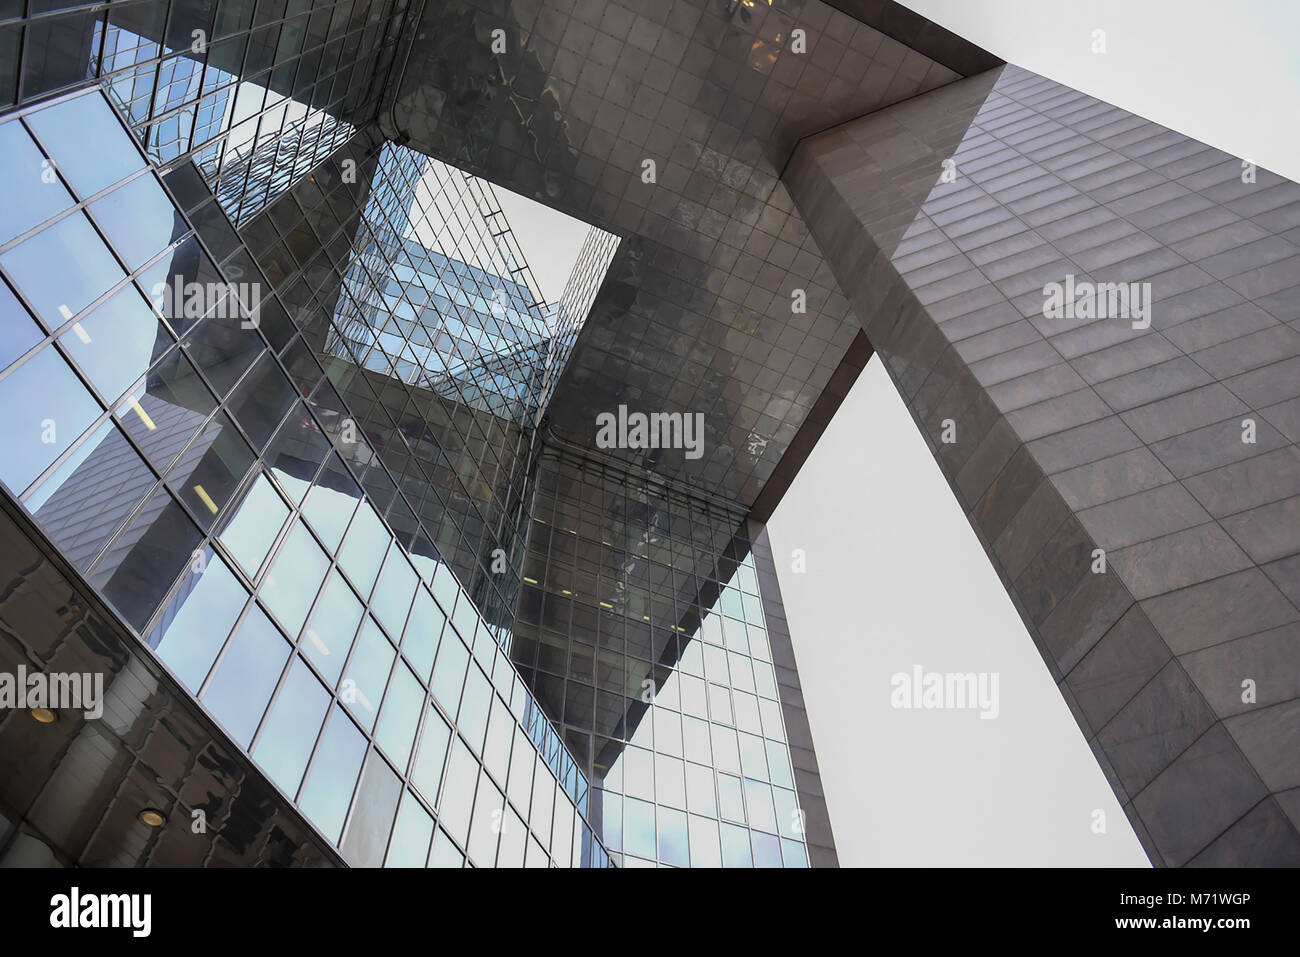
(247, 673)
(194, 628)
(291, 728)
(372, 817)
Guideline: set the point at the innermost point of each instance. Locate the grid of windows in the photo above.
(256, 92)
(641, 627)
(439, 296)
(433, 333)
(161, 445)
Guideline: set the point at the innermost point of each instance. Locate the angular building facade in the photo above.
(299, 460)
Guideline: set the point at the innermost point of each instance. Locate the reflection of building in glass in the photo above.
(196, 468)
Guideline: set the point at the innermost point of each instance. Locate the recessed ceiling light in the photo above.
(44, 715)
(153, 817)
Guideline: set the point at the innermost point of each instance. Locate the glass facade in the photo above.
(641, 623)
(172, 457)
(286, 415)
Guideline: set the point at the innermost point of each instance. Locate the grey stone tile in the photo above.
(1199, 796)
(1215, 611)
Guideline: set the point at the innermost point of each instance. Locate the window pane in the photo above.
(396, 731)
(457, 800)
(223, 350)
(673, 844)
(432, 752)
(185, 264)
(18, 332)
(735, 847)
(364, 549)
(333, 625)
(261, 400)
(254, 525)
(163, 412)
(82, 504)
(197, 622)
(486, 829)
(40, 267)
(136, 573)
(117, 343)
(422, 633)
(411, 835)
(296, 452)
(139, 220)
(367, 674)
(392, 598)
(330, 503)
(211, 469)
(33, 194)
(294, 578)
(246, 675)
(67, 128)
(46, 410)
(704, 843)
(333, 776)
(291, 727)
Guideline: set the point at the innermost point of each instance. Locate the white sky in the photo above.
(895, 576)
(549, 240)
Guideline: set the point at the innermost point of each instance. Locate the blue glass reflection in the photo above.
(46, 409)
(291, 728)
(246, 675)
(194, 627)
